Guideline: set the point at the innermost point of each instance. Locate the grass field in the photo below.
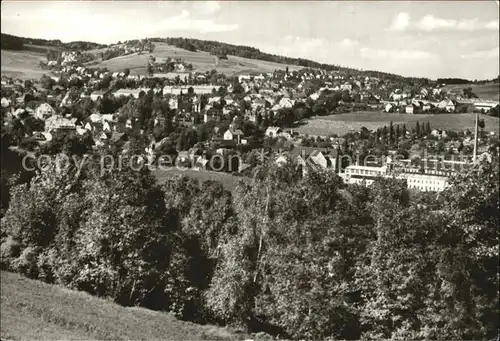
(33, 310)
(344, 123)
(202, 61)
(22, 64)
(228, 181)
(484, 91)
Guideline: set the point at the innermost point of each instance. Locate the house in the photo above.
(259, 103)
(41, 137)
(115, 136)
(127, 92)
(485, 106)
(96, 95)
(233, 135)
(424, 182)
(272, 131)
(346, 86)
(173, 103)
(99, 126)
(229, 99)
(286, 102)
(159, 121)
(410, 108)
(447, 105)
(427, 106)
(390, 107)
(211, 115)
(196, 104)
(5, 102)
(358, 174)
(242, 78)
(95, 117)
(43, 111)
(311, 158)
(80, 130)
(55, 122)
(439, 133)
(108, 117)
(201, 163)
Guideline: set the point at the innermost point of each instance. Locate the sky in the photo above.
(425, 39)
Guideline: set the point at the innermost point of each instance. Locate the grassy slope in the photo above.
(228, 181)
(22, 64)
(341, 124)
(489, 91)
(33, 310)
(202, 61)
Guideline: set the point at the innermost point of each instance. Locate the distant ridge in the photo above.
(11, 42)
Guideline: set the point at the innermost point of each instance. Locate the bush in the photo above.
(9, 250)
(26, 263)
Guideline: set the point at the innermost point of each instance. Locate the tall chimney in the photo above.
(474, 156)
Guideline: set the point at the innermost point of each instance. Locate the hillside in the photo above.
(22, 64)
(202, 61)
(33, 310)
(488, 91)
(344, 123)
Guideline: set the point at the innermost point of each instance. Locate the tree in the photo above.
(238, 88)
(47, 82)
(391, 133)
(481, 126)
(417, 129)
(384, 133)
(428, 129)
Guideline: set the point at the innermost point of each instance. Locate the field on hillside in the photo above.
(344, 123)
(228, 181)
(202, 61)
(33, 310)
(22, 64)
(484, 91)
(25, 64)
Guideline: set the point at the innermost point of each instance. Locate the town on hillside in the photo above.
(194, 115)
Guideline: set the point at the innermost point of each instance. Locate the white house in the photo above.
(286, 102)
(43, 111)
(389, 107)
(95, 117)
(447, 105)
(55, 122)
(96, 95)
(272, 131)
(5, 102)
(233, 134)
(410, 108)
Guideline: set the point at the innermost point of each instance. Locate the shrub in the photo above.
(26, 263)
(9, 250)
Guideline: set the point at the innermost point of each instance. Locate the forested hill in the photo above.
(220, 49)
(11, 42)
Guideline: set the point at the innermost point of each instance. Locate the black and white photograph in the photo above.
(249, 170)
